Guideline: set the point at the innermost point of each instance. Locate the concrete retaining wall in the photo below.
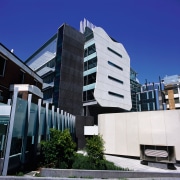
(103, 174)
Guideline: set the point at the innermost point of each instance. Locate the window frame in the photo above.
(3, 70)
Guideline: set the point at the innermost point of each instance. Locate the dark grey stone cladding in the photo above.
(82, 121)
(71, 71)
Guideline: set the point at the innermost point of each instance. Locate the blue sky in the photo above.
(148, 29)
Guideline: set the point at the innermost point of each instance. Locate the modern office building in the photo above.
(14, 71)
(135, 88)
(106, 73)
(151, 97)
(172, 91)
(59, 62)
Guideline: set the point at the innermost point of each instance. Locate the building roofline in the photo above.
(18, 59)
(42, 47)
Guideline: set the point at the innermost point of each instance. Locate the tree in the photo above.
(59, 151)
(95, 149)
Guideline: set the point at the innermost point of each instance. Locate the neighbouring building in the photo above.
(14, 71)
(135, 88)
(59, 62)
(106, 73)
(151, 97)
(172, 91)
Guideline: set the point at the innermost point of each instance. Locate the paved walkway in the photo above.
(131, 164)
(134, 164)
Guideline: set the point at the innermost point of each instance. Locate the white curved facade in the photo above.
(107, 89)
(112, 84)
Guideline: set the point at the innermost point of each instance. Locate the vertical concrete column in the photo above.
(53, 120)
(58, 119)
(65, 120)
(62, 120)
(68, 125)
(24, 138)
(39, 119)
(73, 123)
(47, 123)
(10, 131)
(9, 101)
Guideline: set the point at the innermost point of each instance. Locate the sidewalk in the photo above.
(134, 164)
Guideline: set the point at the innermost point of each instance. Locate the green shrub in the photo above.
(95, 149)
(20, 174)
(59, 150)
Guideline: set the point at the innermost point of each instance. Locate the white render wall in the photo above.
(124, 132)
(103, 83)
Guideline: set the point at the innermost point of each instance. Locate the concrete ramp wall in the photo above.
(123, 133)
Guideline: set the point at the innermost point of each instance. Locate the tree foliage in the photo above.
(59, 151)
(95, 149)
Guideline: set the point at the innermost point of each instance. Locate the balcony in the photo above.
(47, 85)
(45, 70)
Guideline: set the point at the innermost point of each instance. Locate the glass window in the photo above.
(48, 93)
(21, 77)
(144, 96)
(49, 78)
(115, 94)
(114, 79)
(152, 106)
(114, 52)
(175, 91)
(88, 95)
(90, 64)
(85, 81)
(2, 66)
(151, 94)
(92, 78)
(114, 65)
(91, 49)
(85, 53)
(144, 107)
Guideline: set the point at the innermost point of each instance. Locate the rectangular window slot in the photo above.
(114, 52)
(114, 65)
(115, 94)
(2, 66)
(114, 79)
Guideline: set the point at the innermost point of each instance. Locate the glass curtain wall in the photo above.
(31, 125)
(90, 64)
